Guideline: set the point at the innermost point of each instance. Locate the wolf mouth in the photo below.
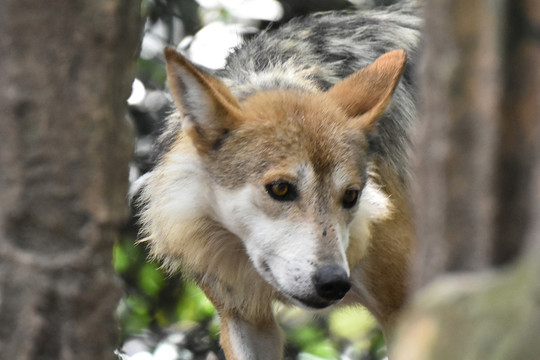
(314, 304)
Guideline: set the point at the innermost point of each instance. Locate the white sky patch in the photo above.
(166, 351)
(213, 43)
(138, 92)
(156, 37)
(269, 10)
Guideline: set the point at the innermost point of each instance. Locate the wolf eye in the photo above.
(281, 191)
(350, 198)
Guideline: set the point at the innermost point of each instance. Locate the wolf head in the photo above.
(286, 171)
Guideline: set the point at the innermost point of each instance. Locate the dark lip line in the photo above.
(312, 304)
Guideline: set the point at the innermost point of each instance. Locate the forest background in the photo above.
(67, 68)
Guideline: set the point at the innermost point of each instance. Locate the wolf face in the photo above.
(286, 171)
(292, 191)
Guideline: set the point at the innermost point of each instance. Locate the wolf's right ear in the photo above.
(210, 110)
(366, 94)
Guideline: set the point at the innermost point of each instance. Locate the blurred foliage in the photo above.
(155, 301)
(167, 10)
(152, 73)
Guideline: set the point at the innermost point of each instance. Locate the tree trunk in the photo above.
(478, 186)
(66, 69)
(460, 86)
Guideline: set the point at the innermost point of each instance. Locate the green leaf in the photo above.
(306, 335)
(194, 305)
(134, 315)
(121, 261)
(151, 71)
(151, 279)
(323, 349)
(213, 327)
(378, 348)
(353, 324)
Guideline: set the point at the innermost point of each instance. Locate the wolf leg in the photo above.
(248, 340)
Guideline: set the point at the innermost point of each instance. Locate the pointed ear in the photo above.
(210, 110)
(366, 93)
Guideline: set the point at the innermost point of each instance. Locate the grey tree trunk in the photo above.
(65, 72)
(460, 88)
(478, 185)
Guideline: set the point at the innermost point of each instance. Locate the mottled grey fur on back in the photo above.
(321, 49)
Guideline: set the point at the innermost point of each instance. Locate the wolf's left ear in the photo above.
(209, 108)
(366, 93)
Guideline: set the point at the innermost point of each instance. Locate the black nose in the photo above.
(331, 282)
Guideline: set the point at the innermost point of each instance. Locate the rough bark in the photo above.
(64, 151)
(460, 87)
(518, 155)
(479, 171)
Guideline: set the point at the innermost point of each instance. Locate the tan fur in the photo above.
(205, 251)
(285, 128)
(367, 92)
(385, 266)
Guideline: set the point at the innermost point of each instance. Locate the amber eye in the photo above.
(350, 198)
(281, 190)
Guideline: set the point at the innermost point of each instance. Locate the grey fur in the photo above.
(328, 46)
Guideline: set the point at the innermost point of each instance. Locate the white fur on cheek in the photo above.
(185, 200)
(234, 208)
(374, 203)
(286, 247)
(374, 206)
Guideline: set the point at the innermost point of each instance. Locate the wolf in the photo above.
(284, 176)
